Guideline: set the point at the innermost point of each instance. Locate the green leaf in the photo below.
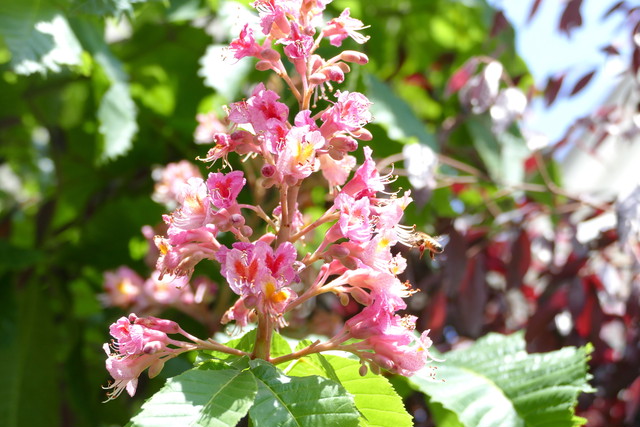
(117, 111)
(16, 258)
(395, 115)
(117, 115)
(374, 396)
(105, 7)
(28, 362)
(502, 154)
(496, 383)
(39, 37)
(299, 401)
(209, 398)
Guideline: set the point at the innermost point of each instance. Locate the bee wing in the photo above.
(443, 240)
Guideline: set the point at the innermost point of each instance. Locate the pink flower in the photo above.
(239, 141)
(180, 252)
(354, 218)
(349, 113)
(170, 179)
(208, 126)
(241, 267)
(123, 288)
(297, 45)
(245, 44)
(260, 276)
(273, 15)
(280, 263)
(194, 210)
(125, 372)
(366, 182)
(167, 291)
(298, 156)
(303, 118)
(141, 343)
(398, 350)
(267, 116)
(133, 338)
(334, 171)
(224, 188)
(342, 27)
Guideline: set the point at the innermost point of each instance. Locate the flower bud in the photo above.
(246, 231)
(270, 55)
(354, 56)
(317, 78)
(344, 67)
(363, 370)
(334, 74)
(155, 368)
(339, 251)
(374, 368)
(237, 220)
(268, 170)
(152, 347)
(350, 263)
(316, 62)
(263, 65)
(344, 143)
(362, 134)
(162, 325)
(336, 154)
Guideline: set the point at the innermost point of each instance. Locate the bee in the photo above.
(425, 242)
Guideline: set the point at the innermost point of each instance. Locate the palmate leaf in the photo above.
(208, 398)
(117, 116)
(39, 37)
(117, 111)
(374, 396)
(496, 383)
(311, 401)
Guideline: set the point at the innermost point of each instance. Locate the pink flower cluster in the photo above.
(140, 343)
(126, 289)
(363, 221)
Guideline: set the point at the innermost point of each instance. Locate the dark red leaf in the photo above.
(584, 80)
(613, 8)
(553, 87)
(571, 17)
(520, 260)
(610, 50)
(540, 333)
(456, 263)
(471, 298)
(436, 311)
(633, 401)
(635, 60)
(461, 77)
(534, 8)
(499, 24)
(418, 79)
(571, 267)
(589, 321)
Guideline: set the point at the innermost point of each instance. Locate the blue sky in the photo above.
(548, 52)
